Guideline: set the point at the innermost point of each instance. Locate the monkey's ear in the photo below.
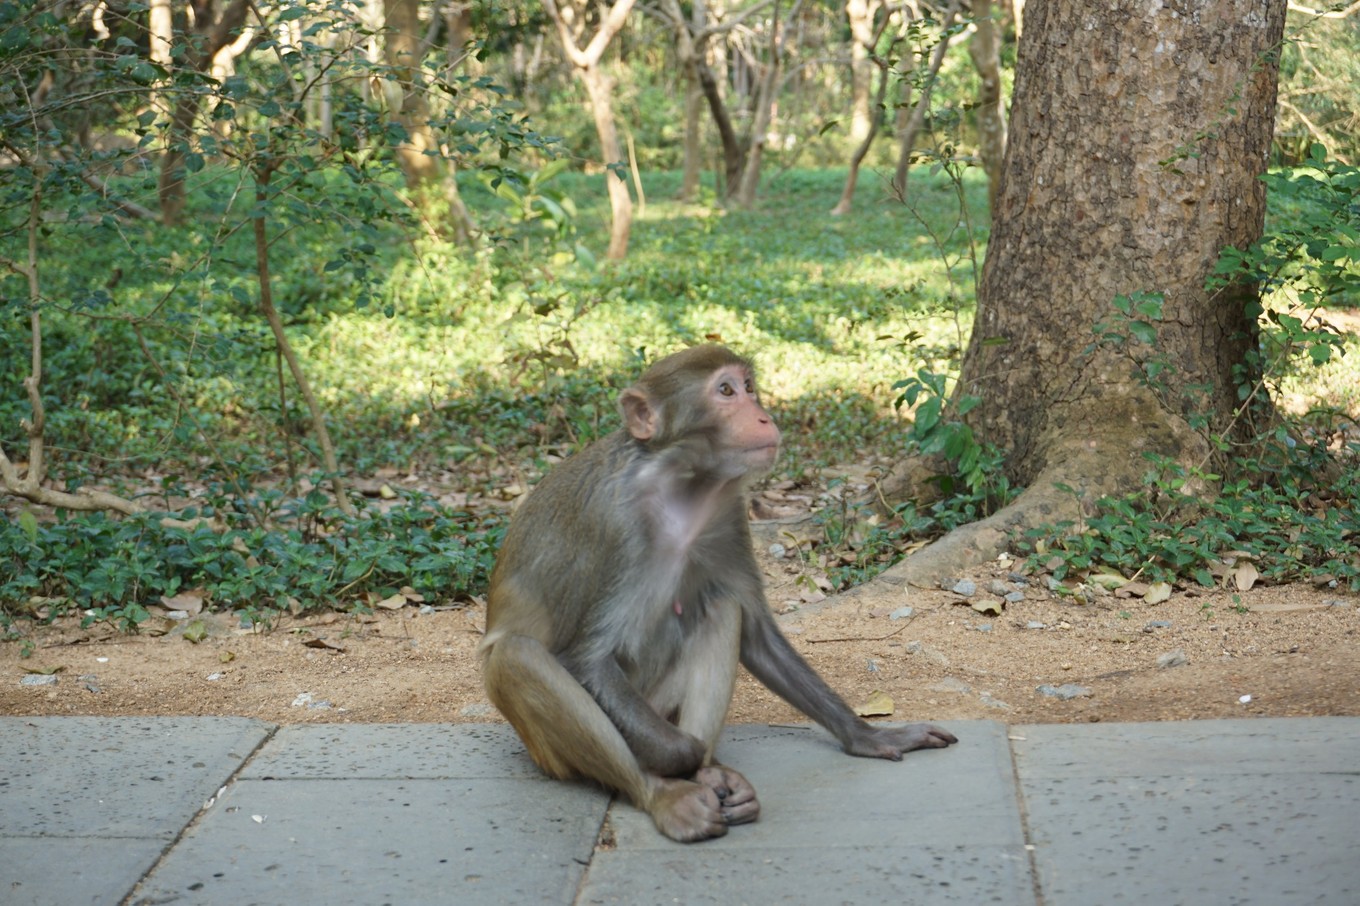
(639, 416)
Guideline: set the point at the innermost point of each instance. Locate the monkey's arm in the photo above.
(772, 660)
(659, 746)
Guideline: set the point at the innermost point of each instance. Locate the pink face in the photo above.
(748, 430)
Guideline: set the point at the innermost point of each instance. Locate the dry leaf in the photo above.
(989, 608)
(396, 602)
(322, 643)
(191, 601)
(1245, 576)
(878, 704)
(1158, 592)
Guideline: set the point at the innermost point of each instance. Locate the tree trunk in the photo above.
(863, 115)
(906, 137)
(600, 90)
(211, 35)
(571, 20)
(1137, 135)
(694, 152)
(985, 50)
(420, 163)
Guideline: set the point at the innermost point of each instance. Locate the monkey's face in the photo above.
(749, 435)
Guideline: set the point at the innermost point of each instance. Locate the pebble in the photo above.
(998, 588)
(1174, 658)
(1013, 597)
(983, 627)
(930, 654)
(38, 679)
(480, 709)
(951, 684)
(986, 699)
(306, 700)
(900, 613)
(965, 587)
(777, 550)
(1157, 624)
(214, 677)
(1064, 692)
(1034, 624)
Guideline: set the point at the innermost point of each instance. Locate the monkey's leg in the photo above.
(568, 735)
(699, 691)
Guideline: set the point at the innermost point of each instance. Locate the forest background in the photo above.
(300, 298)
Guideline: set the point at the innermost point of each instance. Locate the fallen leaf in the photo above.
(1107, 579)
(1158, 592)
(878, 704)
(191, 602)
(322, 643)
(989, 607)
(396, 602)
(196, 631)
(1245, 576)
(45, 671)
(412, 595)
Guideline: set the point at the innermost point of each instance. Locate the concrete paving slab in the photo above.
(384, 841)
(88, 804)
(405, 814)
(942, 824)
(1233, 811)
(393, 750)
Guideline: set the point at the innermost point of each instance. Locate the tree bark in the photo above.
(1137, 135)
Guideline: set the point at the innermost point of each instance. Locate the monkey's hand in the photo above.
(734, 792)
(893, 742)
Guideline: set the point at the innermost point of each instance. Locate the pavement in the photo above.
(200, 810)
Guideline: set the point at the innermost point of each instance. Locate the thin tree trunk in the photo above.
(418, 156)
(271, 314)
(906, 140)
(600, 90)
(985, 50)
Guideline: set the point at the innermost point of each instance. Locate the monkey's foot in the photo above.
(687, 811)
(738, 797)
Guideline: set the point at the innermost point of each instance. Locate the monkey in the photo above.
(626, 592)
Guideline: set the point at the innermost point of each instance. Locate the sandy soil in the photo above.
(1281, 651)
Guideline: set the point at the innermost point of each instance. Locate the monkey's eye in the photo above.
(726, 389)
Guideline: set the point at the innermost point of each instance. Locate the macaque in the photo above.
(627, 592)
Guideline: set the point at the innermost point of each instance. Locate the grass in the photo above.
(476, 366)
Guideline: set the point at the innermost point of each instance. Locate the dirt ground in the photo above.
(1272, 651)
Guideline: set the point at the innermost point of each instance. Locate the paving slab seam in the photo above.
(1023, 807)
(132, 898)
(603, 833)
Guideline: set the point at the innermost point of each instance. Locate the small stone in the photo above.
(1065, 692)
(928, 653)
(998, 588)
(1336, 602)
(952, 684)
(965, 587)
(303, 700)
(901, 613)
(777, 550)
(426, 610)
(984, 627)
(214, 677)
(1157, 624)
(1175, 658)
(38, 679)
(986, 699)
(177, 615)
(480, 709)
(1034, 624)
(1014, 597)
